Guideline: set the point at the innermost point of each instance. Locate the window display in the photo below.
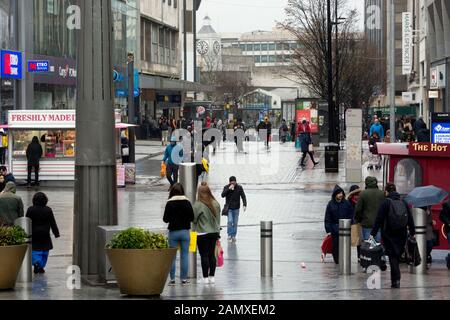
(55, 143)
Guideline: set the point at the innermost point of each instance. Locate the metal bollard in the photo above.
(266, 249)
(188, 178)
(25, 274)
(345, 247)
(420, 221)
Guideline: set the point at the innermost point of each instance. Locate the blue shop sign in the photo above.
(121, 84)
(10, 64)
(38, 66)
(441, 133)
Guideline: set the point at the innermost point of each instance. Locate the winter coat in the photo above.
(283, 130)
(336, 211)
(11, 205)
(42, 221)
(394, 241)
(423, 135)
(445, 217)
(204, 220)
(419, 125)
(233, 197)
(369, 203)
(10, 178)
(265, 126)
(168, 156)
(304, 133)
(34, 152)
(378, 128)
(178, 213)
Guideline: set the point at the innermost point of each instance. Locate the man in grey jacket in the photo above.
(11, 205)
(233, 193)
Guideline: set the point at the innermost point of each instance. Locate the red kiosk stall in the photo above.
(416, 164)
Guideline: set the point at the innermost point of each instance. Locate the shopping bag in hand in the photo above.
(327, 246)
(163, 170)
(193, 242)
(219, 254)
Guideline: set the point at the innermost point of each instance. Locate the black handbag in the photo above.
(412, 252)
(436, 238)
(225, 210)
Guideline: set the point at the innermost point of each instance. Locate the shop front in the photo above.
(55, 130)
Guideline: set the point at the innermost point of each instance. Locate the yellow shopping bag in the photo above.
(193, 243)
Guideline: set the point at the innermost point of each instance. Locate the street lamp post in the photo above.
(331, 107)
(131, 109)
(95, 200)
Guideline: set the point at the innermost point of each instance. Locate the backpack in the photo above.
(398, 215)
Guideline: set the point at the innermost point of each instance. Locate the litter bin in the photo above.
(332, 158)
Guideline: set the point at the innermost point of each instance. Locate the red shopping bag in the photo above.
(327, 246)
(219, 254)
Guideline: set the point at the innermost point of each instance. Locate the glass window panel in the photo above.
(249, 47)
(264, 59)
(257, 59)
(257, 47)
(272, 46)
(264, 47)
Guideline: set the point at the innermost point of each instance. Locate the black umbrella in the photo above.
(426, 196)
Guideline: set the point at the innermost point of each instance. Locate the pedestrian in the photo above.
(304, 133)
(239, 132)
(430, 233)
(367, 207)
(374, 157)
(43, 221)
(173, 156)
(445, 219)
(8, 175)
(2, 183)
(233, 193)
(125, 146)
(387, 138)
(283, 131)
(179, 214)
(164, 127)
(353, 197)
(34, 154)
(338, 208)
(378, 128)
(11, 205)
(408, 135)
(3, 146)
(395, 220)
(266, 128)
(207, 225)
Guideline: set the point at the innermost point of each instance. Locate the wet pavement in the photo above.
(296, 206)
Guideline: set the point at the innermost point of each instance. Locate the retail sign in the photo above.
(11, 64)
(429, 149)
(38, 66)
(441, 132)
(407, 96)
(407, 42)
(433, 78)
(41, 119)
(433, 94)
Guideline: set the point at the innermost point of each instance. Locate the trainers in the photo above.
(234, 239)
(36, 268)
(205, 281)
(212, 280)
(185, 282)
(316, 163)
(395, 285)
(172, 283)
(230, 239)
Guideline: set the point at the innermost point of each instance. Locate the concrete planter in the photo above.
(11, 258)
(141, 272)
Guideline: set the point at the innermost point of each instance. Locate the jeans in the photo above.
(207, 247)
(172, 173)
(366, 234)
(36, 174)
(40, 258)
(182, 238)
(165, 137)
(233, 220)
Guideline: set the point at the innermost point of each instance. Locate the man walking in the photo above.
(366, 209)
(395, 220)
(173, 157)
(233, 193)
(34, 154)
(11, 205)
(266, 125)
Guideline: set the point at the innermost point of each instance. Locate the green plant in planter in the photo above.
(135, 238)
(12, 236)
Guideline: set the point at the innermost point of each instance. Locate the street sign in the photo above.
(407, 96)
(433, 94)
(11, 64)
(38, 66)
(407, 43)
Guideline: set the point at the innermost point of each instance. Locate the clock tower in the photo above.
(208, 47)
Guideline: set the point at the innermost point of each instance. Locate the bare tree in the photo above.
(307, 21)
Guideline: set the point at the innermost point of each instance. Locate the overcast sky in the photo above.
(251, 15)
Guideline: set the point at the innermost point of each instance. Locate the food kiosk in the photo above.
(416, 164)
(56, 132)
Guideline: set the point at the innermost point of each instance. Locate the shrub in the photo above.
(135, 238)
(12, 236)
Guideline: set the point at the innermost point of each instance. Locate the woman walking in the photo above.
(42, 221)
(207, 226)
(179, 215)
(304, 132)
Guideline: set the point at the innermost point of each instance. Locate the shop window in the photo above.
(407, 176)
(55, 143)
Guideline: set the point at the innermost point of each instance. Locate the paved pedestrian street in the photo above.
(277, 190)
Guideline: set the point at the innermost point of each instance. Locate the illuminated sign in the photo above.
(11, 64)
(38, 66)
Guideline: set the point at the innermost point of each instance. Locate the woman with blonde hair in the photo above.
(207, 225)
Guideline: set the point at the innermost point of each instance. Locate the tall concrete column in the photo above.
(24, 93)
(96, 184)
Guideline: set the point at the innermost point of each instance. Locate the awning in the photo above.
(125, 125)
(159, 83)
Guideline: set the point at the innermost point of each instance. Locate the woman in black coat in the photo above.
(43, 220)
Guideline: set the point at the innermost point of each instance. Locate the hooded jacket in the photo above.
(378, 128)
(369, 202)
(11, 205)
(394, 241)
(336, 211)
(34, 152)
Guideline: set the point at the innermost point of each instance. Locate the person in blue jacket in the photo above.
(378, 128)
(173, 156)
(338, 208)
